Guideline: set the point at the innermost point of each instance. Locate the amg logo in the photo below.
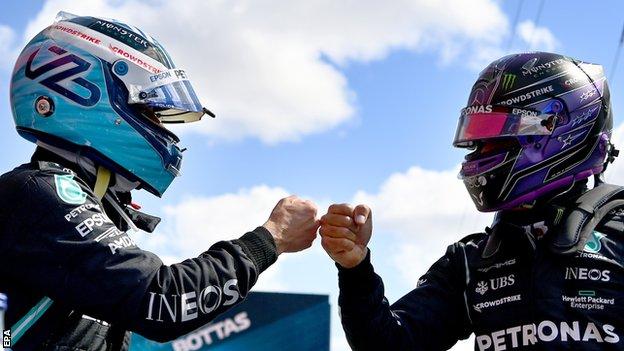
(497, 265)
(546, 331)
(581, 273)
(122, 242)
(185, 307)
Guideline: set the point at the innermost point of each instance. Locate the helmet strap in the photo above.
(102, 181)
(612, 153)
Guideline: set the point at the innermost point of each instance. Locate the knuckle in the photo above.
(344, 232)
(323, 219)
(347, 221)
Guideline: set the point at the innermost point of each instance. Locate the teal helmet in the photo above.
(103, 89)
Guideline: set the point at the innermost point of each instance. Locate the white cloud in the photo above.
(7, 49)
(197, 222)
(536, 37)
(426, 211)
(532, 38)
(260, 66)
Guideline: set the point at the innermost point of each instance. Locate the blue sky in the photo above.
(406, 110)
(391, 144)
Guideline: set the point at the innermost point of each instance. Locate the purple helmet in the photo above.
(551, 117)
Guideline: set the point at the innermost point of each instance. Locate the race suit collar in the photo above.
(81, 169)
(569, 218)
(117, 198)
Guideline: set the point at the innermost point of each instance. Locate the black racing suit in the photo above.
(512, 290)
(58, 240)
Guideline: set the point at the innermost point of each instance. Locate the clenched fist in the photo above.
(345, 232)
(293, 224)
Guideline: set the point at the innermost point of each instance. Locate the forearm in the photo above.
(367, 319)
(187, 295)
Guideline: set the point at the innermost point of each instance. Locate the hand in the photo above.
(293, 224)
(345, 232)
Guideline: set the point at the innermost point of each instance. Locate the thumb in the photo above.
(361, 214)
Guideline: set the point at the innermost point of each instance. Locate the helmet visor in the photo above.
(169, 94)
(486, 122)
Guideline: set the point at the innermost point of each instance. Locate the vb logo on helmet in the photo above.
(52, 82)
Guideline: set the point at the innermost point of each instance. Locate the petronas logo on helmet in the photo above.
(508, 81)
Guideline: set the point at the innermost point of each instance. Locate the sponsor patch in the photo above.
(547, 331)
(495, 283)
(494, 303)
(583, 273)
(594, 245)
(528, 96)
(96, 220)
(587, 300)
(188, 306)
(69, 190)
(508, 81)
(497, 265)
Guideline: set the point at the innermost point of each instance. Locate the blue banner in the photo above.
(264, 321)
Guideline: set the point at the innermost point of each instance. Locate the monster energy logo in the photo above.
(508, 81)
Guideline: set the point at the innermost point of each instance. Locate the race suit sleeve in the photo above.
(70, 251)
(430, 317)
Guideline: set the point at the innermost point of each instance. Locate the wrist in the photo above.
(355, 267)
(259, 246)
(355, 261)
(276, 234)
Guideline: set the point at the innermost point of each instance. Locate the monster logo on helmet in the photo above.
(554, 119)
(86, 85)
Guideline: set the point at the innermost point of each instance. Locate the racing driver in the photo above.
(547, 274)
(94, 95)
